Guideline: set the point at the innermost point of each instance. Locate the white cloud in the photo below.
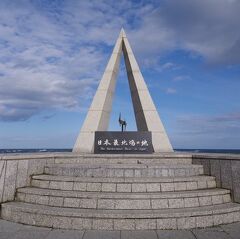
(53, 53)
(207, 28)
(181, 78)
(207, 131)
(225, 124)
(48, 61)
(171, 91)
(167, 65)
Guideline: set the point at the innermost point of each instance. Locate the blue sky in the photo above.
(53, 54)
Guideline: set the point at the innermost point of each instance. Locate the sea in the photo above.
(42, 150)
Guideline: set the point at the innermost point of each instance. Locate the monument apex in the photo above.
(146, 115)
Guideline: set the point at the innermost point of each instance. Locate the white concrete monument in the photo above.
(146, 115)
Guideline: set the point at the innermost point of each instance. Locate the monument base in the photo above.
(113, 192)
(115, 142)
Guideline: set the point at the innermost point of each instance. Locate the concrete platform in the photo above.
(138, 219)
(122, 170)
(10, 230)
(85, 192)
(123, 184)
(123, 200)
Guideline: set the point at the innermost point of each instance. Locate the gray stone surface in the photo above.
(22, 173)
(118, 170)
(31, 234)
(167, 223)
(236, 180)
(93, 234)
(226, 174)
(10, 230)
(6, 226)
(206, 167)
(15, 171)
(137, 193)
(65, 234)
(138, 235)
(216, 171)
(7, 235)
(211, 233)
(186, 223)
(125, 187)
(233, 230)
(226, 169)
(10, 181)
(3, 165)
(174, 234)
(123, 200)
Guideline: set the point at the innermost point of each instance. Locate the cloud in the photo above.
(168, 65)
(225, 124)
(207, 28)
(31, 83)
(207, 131)
(48, 58)
(53, 53)
(49, 116)
(181, 78)
(171, 91)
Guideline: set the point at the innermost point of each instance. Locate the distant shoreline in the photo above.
(43, 150)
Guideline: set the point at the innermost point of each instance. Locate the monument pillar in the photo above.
(146, 115)
(98, 115)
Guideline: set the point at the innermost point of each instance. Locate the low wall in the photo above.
(226, 169)
(16, 169)
(15, 172)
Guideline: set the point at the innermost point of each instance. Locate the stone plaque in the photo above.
(115, 142)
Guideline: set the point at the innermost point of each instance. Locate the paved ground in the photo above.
(10, 230)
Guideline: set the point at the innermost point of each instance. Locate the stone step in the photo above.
(126, 159)
(175, 155)
(124, 170)
(121, 184)
(97, 200)
(74, 218)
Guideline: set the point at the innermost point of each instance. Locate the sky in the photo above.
(53, 54)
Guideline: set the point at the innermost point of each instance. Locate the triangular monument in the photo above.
(146, 115)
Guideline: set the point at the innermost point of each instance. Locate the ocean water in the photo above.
(42, 150)
(218, 151)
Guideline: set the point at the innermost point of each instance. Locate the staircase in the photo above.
(122, 192)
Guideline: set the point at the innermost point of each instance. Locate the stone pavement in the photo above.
(10, 230)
